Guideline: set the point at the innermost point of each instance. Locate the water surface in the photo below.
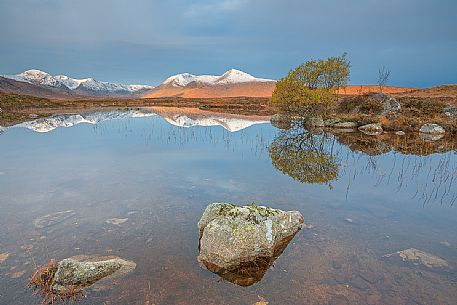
(361, 199)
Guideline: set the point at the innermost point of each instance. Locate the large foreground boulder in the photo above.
(241, 243)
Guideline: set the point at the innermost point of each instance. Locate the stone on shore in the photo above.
(371, 129)
(432, 129)
(450, 111)
(315, 122)
(346, 125)
(331, 122)
(390, 104)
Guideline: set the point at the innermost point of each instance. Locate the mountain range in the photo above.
(232, 83)
(47, 85)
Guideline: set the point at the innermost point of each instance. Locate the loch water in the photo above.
(134, 184)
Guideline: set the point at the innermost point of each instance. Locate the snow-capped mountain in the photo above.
(233, 83)
(232, 76)
(86, 86)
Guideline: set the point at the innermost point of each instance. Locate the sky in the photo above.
(145, 41)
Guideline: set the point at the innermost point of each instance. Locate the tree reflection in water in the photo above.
(427, 168)
(305, 156)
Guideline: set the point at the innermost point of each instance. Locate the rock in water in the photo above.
(74, 274)
(371, 129)
(241, 243)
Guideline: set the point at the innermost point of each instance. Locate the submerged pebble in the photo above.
(4, 257)
(116, 221)
(53, 219)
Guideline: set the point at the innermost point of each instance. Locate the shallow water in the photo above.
(160, 176)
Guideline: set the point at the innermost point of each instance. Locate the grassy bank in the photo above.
(18, 108)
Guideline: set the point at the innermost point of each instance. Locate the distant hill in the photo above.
(13, 86)
(363, 89)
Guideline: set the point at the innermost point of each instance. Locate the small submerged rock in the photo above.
(116, 221)
(371, 129)
(53, 219)
(241, 243)
(400, 133)
(4, 257)
(420, 257)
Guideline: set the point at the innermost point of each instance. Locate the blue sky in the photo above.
(145, 41)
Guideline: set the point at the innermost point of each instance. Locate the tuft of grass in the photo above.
(42, 284)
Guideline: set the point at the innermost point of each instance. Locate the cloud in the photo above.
(147, 40)
(214, 7)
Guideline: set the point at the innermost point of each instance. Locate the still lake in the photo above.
(155, 171)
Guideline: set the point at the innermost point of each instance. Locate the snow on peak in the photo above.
(38, 77)
(34, 73)
(232, 76)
